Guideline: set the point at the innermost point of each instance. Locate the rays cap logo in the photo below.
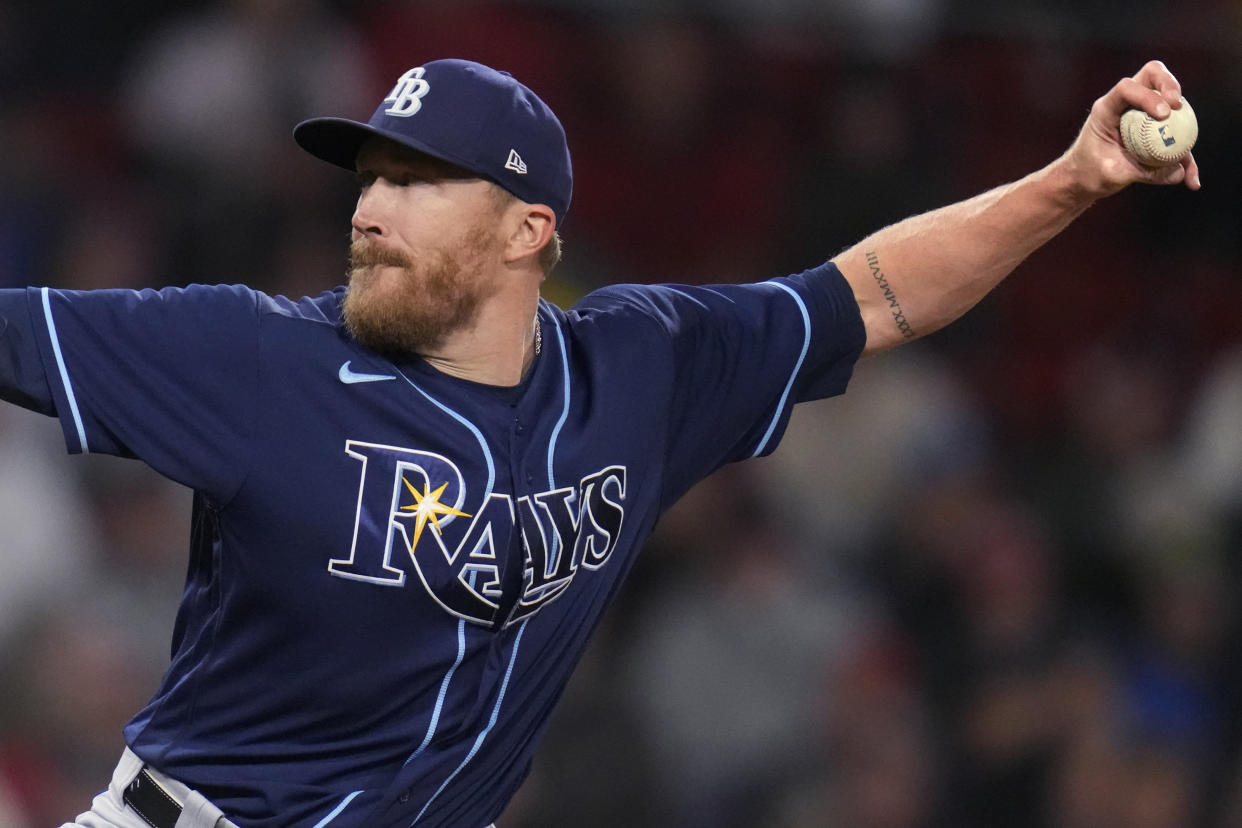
(469, 115)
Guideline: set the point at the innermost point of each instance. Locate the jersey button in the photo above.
(404, 798)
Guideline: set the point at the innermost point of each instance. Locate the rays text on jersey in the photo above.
(410, 519)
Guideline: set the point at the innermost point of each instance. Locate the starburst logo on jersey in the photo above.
(426, 506)
(412, 518)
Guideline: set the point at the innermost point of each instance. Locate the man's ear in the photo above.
(533, 226)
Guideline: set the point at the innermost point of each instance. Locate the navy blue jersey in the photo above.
(393, 571)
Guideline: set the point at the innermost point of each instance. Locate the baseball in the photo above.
(1160, 143)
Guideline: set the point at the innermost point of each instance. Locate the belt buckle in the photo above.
(151, 802)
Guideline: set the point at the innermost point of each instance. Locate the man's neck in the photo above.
(497, 350)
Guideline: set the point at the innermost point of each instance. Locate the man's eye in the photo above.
(365, 179)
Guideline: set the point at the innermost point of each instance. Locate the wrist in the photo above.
(1073, 185)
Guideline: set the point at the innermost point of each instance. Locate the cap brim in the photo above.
(337, 141)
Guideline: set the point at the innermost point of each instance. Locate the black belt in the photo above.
(151, 802)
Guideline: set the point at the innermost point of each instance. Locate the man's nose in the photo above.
(370, 212)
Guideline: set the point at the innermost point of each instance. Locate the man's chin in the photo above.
(369, 275)
(383, 321)
(385, 336)
(376, 285)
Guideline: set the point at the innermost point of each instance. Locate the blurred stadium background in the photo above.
(993, 585)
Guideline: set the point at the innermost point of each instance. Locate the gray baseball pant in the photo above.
(109, 810)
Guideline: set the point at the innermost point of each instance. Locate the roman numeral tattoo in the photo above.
(893, 305)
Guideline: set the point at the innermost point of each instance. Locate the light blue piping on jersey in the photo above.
(434, 724)
(806, 346)
(64, 372)
(556, 431)
(461, 625)
(491, 723)
(444, 685)
(478, 435)
(336, 812)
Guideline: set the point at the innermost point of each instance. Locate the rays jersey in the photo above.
(392, 571)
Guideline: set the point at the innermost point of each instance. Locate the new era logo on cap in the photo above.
(515, 163)
(469, 115)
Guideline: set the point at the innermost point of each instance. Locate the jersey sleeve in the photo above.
(22, 379)
(741, 356)
(167, 376)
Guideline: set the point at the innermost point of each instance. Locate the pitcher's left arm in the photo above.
(920, 274)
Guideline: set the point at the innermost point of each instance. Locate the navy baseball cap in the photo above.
(469, 115)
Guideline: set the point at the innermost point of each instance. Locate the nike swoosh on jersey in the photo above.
(350, 377)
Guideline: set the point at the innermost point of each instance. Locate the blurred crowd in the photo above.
(992, 585)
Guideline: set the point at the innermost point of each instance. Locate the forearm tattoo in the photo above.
(893, 305)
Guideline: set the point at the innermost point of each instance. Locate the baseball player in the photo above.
(414, 497)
